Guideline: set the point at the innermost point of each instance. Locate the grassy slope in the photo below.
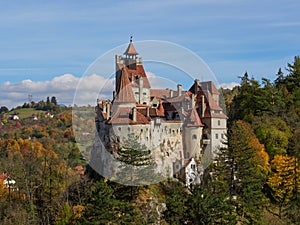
(26, 112)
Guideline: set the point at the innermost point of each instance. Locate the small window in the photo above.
(144, 93)
(119, 128)
(154, 105)
(219, 122)
(194, 137)
(217, 136)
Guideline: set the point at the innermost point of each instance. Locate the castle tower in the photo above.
(131, 65)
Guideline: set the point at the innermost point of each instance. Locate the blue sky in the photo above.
(43, 40)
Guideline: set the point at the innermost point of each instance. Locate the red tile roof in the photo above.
(130, 50)
(180, 98)
(209, 85)
(211, 101)
(123, 115)
(139, 72)
(125, 94)
(193, 119)
(3, 176)
(153, 112)
(161, 93)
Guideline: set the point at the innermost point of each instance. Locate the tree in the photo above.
(53, 100)
(176, 202)
(249, 101)
(101, 207)
(248, 177)
(3, 109)
(137, 167)
(48, 100)
(282, 180)
(292, 80)
(280, 78)
(274, 133)
(208, 207)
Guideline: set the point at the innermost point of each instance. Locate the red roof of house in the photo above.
(211, 101)
(153, 112)
(161, 93)
(3, 176)
(193, 119)
(139, 72)
(123, 115)
(125, 93)
(210, 86)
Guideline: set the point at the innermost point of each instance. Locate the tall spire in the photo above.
(130, 49)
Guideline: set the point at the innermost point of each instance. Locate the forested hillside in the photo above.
(256, 180)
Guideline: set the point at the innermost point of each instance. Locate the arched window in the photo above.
(194, 136)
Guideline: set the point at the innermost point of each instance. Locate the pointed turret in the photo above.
(130, 51)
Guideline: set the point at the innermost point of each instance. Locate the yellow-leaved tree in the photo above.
(283, 180)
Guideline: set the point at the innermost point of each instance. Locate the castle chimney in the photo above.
(108, 109)
(147, 112)
(193, 101)
(134, 114)
(104, 106)
(196, 85)
(141, 84)
(179, 89)
(202, 105)
(171, 93)
(132, 77)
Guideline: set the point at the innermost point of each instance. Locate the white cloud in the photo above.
(158, 82)
(64, 88)
(229, 85)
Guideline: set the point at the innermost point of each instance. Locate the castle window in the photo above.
(217, 136)
(193, 166)
(219, 122)
(128, 128)
(144, 93)
(119, 128)
(194, 136)
(145, 103)
(154, 105)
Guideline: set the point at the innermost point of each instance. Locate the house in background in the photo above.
(8, 182)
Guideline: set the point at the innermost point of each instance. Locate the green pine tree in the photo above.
(137, 166)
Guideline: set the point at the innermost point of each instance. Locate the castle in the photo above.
(178, 126)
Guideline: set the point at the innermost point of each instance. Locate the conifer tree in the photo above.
(137, 166)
